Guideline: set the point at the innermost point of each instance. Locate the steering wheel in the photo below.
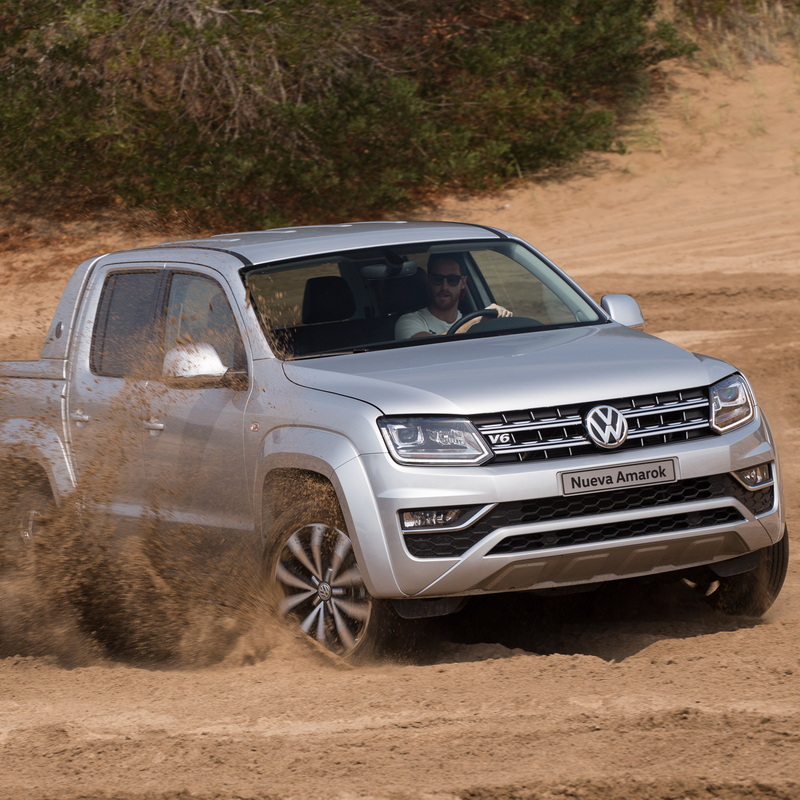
(491, 313)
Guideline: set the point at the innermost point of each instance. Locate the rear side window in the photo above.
(125, 342)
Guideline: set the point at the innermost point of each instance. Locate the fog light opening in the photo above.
(430, 517)
(755, 477)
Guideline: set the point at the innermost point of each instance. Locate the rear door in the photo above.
(107, 398)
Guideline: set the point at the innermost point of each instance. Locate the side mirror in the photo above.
(624, 309)
(192, 366)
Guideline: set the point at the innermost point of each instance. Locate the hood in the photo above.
(525, 370)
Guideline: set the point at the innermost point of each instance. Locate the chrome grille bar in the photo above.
(515, 427)
(666, 408)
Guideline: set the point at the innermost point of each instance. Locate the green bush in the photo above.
(310, 110)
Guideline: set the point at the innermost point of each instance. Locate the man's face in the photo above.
(444, 296)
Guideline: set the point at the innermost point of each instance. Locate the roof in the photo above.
(258, 247)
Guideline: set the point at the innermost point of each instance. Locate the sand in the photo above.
(642, 694)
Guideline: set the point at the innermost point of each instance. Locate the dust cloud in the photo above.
(81, 605)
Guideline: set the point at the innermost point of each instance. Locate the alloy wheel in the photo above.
(322, 587)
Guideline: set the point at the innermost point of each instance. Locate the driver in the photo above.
(446, 286)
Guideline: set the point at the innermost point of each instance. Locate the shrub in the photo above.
(310, 110)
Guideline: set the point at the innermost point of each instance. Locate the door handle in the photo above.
(79, 416)
(153, 424)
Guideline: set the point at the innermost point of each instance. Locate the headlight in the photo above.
(433, 440)
(731, 404)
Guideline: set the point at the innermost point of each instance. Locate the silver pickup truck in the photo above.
(271, 387)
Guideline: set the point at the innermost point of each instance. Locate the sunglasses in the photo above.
(437, 279)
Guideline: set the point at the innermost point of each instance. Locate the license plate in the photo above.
(601, 480)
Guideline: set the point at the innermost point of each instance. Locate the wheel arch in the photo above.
(300, 456)
(37, 451)
(282, 485)
(18, 473)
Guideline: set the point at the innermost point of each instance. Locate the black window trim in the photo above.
(113, 275)
(158, 314)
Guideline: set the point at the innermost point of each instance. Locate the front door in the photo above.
(194, 446)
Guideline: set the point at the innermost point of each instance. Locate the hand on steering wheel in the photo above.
(491, 312)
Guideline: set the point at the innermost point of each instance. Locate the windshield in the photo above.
(409, 296)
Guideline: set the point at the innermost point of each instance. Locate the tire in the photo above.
(22, 516)
(752, 593)
(318, 587)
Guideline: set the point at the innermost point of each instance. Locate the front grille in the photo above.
(558, 432)
(547, 509)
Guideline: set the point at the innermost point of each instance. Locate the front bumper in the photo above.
(584, 538)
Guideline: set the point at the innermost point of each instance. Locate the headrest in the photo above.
(407, 294)
(327, 298)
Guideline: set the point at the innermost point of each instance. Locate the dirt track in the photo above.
(631, 694)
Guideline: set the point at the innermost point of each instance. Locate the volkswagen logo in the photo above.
(606, 426)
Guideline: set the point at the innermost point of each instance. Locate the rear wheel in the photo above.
(320, 588)
(752, 593)
(22, 517)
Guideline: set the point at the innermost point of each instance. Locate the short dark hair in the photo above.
(437, 258)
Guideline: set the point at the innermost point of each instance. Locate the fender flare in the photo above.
(24, 440)
(299, 449)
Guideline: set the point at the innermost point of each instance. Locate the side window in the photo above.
(123, 341)
(280, 294)
(198, 312)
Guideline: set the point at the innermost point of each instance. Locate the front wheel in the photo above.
(752, 593)
(320, 588)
